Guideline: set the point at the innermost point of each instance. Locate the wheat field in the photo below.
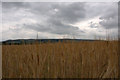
(84, 59)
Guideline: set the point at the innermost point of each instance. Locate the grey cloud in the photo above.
(14, 5)
(109, 23)
(55, 23)
(107, 13)
(93, 25)
(58, 23)
(100, 9)
(110, 18)
(66, 11)
(71, 13)
(57, 28)
(119, 19)
(95, 9)
(56, 18)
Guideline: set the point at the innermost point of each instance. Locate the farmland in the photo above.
(83, 59)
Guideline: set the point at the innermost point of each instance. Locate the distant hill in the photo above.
(31, 41)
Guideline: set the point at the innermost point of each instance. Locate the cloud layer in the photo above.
(55, 20)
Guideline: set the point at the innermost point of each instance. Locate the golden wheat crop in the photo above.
(84, 59)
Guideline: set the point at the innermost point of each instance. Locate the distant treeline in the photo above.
(32, 41)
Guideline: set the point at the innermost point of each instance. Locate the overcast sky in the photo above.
(58, 20)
